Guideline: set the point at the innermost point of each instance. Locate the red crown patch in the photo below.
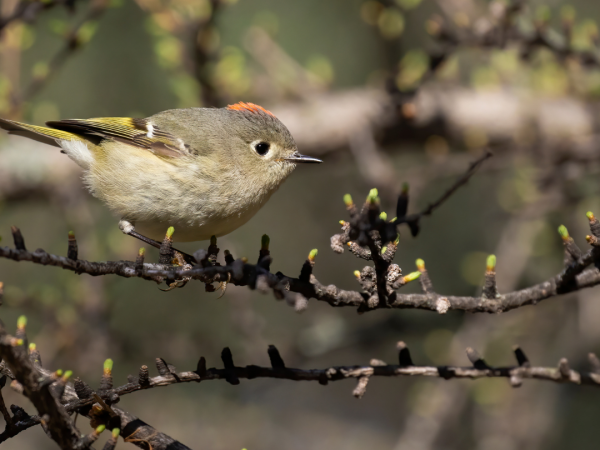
(251, 107)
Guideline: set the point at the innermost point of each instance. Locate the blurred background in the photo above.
(385, 92)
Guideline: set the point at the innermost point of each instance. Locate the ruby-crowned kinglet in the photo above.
(204, 171)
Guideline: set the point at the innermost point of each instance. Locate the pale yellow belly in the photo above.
(184, 232)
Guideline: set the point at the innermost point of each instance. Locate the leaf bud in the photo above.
(412, 276)
(491, 263)
(108, 366)
(264, 242)
(348, 200)
(21, 322)
(373, 196)
(170, 232)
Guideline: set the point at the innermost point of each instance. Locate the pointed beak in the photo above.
(298, 158)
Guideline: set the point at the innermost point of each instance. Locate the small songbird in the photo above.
(204, 171)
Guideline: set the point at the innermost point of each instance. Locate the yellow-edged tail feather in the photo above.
(41, 134)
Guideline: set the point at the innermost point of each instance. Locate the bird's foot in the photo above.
(127, 228)
(223, 286)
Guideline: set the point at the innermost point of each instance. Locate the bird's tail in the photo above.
(45, 135)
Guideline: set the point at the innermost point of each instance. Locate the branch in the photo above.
(50, 394)
(53, 414)
(145, 436)
(366, 235)
(17, 423)
(414, 218)
(244, 274)
(405, 367)
(81, 397)
(54, 395)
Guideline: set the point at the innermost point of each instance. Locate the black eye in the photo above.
(262, 148)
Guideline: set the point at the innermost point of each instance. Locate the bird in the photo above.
(203, 171)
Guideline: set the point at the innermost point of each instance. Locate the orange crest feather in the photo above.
(251, 107)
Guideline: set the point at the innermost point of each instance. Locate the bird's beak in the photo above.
(298, 158)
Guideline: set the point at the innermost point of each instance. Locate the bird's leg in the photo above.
(128, 229)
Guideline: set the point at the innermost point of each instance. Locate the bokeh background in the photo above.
(351, 79)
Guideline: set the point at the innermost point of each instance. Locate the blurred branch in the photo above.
(203, 54)
(73, 42)
(27, 10)
(297, 82)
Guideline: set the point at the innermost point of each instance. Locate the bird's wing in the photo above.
(136, 132)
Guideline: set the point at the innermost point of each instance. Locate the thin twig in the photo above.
(460, 182)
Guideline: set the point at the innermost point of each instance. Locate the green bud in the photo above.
(420, 264)
(348, 200)
(405, 188)
(590, 215)
(393, 220)
(170, 232)
(59, 373)
(141, 251)
(342, 222)
(32, 347)
(71, 235)
(383, 250)
(313, 254)
(564, 233)
(357, 274)
(108, 365)
(67, 375)
(21, 322)
(491, 263)
(383, 215)
(373, 196)
(116, 432)
(264, 242)
(100, 428)
(20, 342)
(213, 240)
(397, 240)
(412, 276)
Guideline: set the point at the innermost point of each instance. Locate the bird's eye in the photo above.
(262, 148)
